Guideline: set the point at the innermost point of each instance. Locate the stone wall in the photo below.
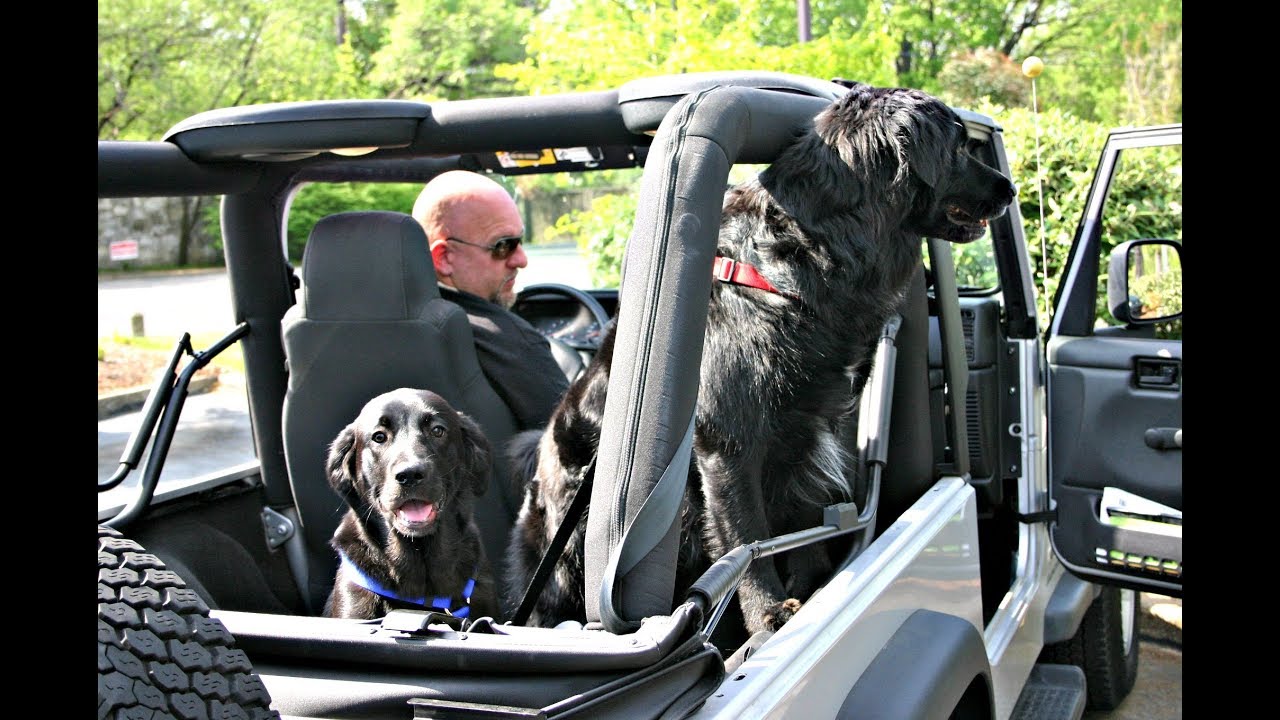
(155, 224)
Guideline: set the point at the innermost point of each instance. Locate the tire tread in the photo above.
(160, 654)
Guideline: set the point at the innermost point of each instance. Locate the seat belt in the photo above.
(641, 537)
(649, 526)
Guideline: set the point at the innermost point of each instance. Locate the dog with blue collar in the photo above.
(410, 468)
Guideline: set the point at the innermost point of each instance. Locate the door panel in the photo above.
(1100, 419)
(1115, 390)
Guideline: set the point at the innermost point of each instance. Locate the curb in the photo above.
(125, 401)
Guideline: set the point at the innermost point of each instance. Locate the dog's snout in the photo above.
(411, 474)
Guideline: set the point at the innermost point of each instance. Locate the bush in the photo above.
(318, 200)
(989, 74)
(601, 234)
(1145, 199)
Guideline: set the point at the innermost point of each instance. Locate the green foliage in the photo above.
(317, 200)
(613, 42)
(981, 74)
(160, 61)
(601, 233)
(1145, 199)
(975, 264)
(925, 35)
(1145, 202)
(1160, 293)
(448, 48)
(1117, 62)
(1053, 153)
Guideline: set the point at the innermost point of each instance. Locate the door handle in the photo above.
(1163, 438)
(1160, 373)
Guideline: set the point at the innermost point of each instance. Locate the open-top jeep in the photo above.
(1017, 486)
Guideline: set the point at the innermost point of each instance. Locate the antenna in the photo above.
(1032, 67)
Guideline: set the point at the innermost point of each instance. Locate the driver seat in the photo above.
(370, 319)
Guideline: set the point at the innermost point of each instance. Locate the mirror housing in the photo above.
(1144, 281)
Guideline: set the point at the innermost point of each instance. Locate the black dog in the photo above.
(833, 228)
(410, 468)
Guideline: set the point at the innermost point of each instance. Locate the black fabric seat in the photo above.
(370, 319)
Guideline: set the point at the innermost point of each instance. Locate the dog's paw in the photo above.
(778, 615)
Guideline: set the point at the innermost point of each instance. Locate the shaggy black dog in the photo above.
(833, 227)
(410, 468)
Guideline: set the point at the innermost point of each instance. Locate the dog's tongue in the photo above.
(417, 511)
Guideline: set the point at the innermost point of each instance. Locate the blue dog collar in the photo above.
(440, 603)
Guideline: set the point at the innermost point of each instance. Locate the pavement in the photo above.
(212, 439)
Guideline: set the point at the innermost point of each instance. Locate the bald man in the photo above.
(474, 231)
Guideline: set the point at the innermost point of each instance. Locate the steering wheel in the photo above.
(574, 343)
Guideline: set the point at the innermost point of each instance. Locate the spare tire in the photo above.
(159, 652)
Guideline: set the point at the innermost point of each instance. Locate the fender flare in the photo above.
(933, 665)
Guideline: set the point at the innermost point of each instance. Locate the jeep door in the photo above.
(1114, 355)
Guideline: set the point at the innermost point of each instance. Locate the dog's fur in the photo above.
(410, 467)
(836, 224)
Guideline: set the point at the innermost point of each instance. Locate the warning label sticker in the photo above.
(527, 158)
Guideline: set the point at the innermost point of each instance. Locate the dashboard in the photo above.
(565, 319)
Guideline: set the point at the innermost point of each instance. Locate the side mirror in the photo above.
(1144, 281)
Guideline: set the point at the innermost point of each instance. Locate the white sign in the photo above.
(124, 250)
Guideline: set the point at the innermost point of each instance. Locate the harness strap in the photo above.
(440, 602)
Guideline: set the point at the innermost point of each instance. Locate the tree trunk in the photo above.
(187, 232)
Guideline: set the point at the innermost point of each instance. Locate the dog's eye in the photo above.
(437, 430)
(379, 436)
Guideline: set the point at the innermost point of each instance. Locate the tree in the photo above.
(1117, 62)
(984, 73)
(160, 61)
(449, 48)
(596, 44)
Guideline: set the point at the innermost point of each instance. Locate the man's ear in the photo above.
(440, 258)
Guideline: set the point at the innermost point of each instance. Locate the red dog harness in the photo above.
(734, 272)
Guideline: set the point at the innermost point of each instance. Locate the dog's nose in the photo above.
(411, 474)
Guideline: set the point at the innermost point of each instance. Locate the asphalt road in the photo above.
(199, 301)
(213, 435)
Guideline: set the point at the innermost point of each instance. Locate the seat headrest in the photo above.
(370, 265)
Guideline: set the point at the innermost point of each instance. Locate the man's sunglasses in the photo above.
(501, 249)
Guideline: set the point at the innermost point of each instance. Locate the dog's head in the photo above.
(410, 458)
(917, 148)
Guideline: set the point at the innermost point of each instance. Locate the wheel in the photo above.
(1105, 648)
(160, 655)
(574, 344)
(579, 326)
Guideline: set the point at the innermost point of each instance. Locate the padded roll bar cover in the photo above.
(665, 289)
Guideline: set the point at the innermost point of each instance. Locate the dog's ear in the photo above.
(930, 139)
(343, 465)
(476, 454)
